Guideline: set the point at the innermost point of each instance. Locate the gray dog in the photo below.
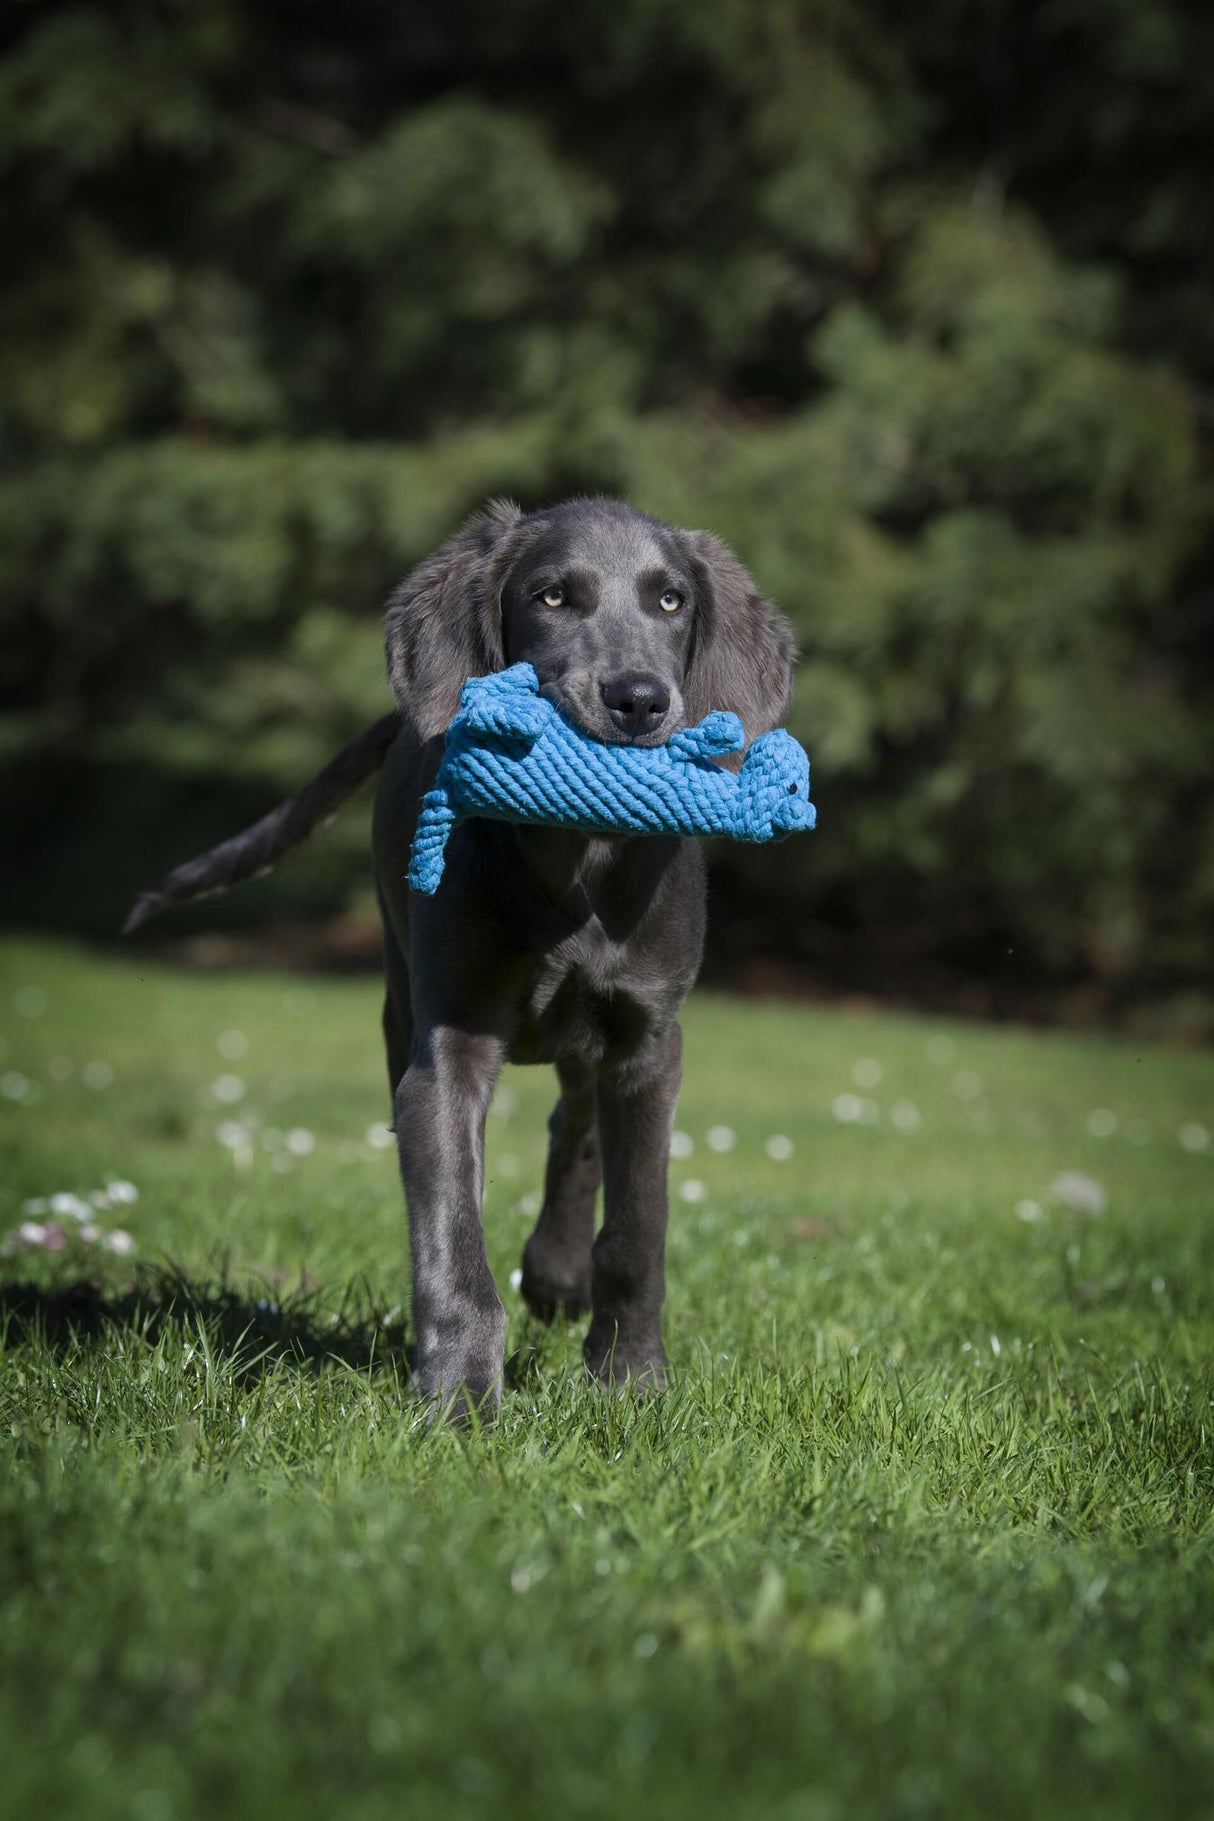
(540, 945)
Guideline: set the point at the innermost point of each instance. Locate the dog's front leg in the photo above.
(458, 1317)
(556, 1260)
(636, 1104)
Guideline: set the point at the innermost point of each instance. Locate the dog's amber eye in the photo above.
(553, 597)
(670, 600)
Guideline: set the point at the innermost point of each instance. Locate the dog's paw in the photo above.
(455, 1400)
(552, 1285)
(459, 1372)
(639, 1366)
(462, 1409)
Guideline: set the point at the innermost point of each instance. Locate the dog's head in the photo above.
(634, 628)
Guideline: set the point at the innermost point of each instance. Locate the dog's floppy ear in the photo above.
(743, 650)
(443, 623)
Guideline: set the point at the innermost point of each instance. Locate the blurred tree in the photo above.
(915, 307)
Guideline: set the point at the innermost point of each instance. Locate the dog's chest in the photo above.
(584, 999)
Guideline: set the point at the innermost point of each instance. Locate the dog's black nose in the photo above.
(637, 704)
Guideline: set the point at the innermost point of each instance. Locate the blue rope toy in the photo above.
(511, 756)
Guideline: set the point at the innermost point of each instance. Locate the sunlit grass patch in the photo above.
(923, 1526)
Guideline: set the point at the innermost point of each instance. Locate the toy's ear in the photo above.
(716, 735)
(506, 706)
(743, 650)
(443, 623)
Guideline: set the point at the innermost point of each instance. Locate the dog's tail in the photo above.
(258, 849)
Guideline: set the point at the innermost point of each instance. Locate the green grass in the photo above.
(924, 1527)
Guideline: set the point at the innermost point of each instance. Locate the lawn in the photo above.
(924, 1527)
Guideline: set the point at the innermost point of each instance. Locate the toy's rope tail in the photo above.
(257, 849)
(430, 842)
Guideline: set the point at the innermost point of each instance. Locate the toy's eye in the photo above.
(670, 600)
(792, 790)
(553, 597)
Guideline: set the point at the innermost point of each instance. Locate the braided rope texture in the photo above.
(511, 756)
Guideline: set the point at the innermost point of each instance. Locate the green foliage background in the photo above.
(915, 306)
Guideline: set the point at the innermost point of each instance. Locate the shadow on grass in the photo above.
(525, 1367)
(253, 1332)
